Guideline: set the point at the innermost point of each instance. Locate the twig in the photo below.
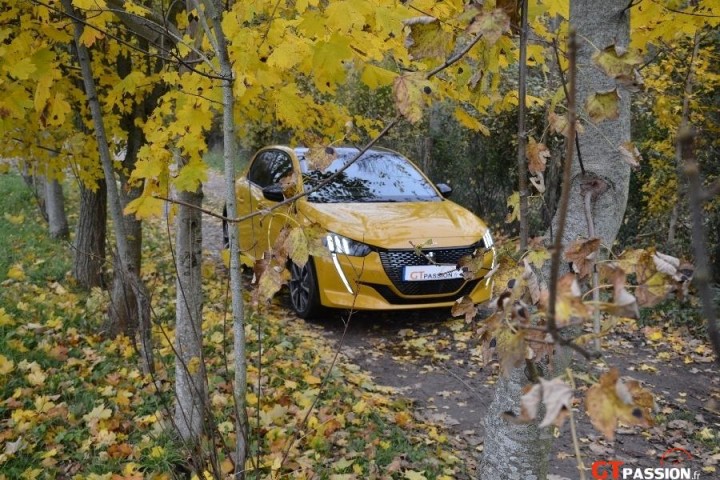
(573, 431)
(703, 274)
(567, 96)
(563, 208)
(454, 59)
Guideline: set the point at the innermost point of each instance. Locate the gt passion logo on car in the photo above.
(421, 273)
(669, 468)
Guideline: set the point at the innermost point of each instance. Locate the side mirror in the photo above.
(445, 189)
(273, 193)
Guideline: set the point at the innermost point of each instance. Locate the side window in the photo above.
(269, 167)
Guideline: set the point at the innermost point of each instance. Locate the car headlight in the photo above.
(346, 246)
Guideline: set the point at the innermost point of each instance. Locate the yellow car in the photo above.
(393, 240)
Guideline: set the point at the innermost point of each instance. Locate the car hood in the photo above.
(395, 225)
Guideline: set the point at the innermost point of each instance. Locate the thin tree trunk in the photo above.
(116, 211)
(238, 311)
(36, 183)
(511, 451)
(684, 117)
(90, 235)
(55, 206)
(123, 311)
(190, 391)
(522, 133)
(190, 377)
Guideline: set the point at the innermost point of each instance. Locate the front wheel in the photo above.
(304, 293)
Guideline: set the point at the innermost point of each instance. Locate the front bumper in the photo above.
(365, 283)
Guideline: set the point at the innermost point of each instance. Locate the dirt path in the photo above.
(432, 360)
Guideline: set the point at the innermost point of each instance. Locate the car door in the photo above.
(267, 169)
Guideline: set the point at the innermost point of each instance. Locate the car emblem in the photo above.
(430, 256)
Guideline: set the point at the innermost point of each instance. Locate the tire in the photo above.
(304, 292)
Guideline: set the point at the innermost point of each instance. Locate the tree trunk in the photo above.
(131, 276)
(90, 237)
(511, 451)
(190, 391)
(238, 308)
(55, 206)
(123, 313)
(36, 183)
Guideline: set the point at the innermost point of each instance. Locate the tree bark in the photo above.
(238, 309)
(90, 235)
(518, 452)
(123, 313)
(55, 206)
(190, 391)
(522, 133)
(130, 276)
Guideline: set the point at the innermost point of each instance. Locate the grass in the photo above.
(74, 404)
(23, 235)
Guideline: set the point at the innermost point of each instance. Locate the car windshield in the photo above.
(377, 176)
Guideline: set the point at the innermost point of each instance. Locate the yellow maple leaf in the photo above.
(89, 4)
(374, 76)
(36, 377)
(414, 475)
(16, 272)
(15, 219)
(6, 365)
(5, 319)
(360, 407)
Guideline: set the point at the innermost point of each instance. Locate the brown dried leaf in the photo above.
(289, 184)
(271, 281)
(537, 155)
(624, 303)
(464, 306)
(408, 93)
(630, 154)
(491, 25)
(538, 181)
(320, 157)
(612, 400)
(559, 124)
(582, 255)
(557, 397)
(666, 264)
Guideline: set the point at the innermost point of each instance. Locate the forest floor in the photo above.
(434, 361)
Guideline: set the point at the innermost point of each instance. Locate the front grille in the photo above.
(393, 262)
(395, 299)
